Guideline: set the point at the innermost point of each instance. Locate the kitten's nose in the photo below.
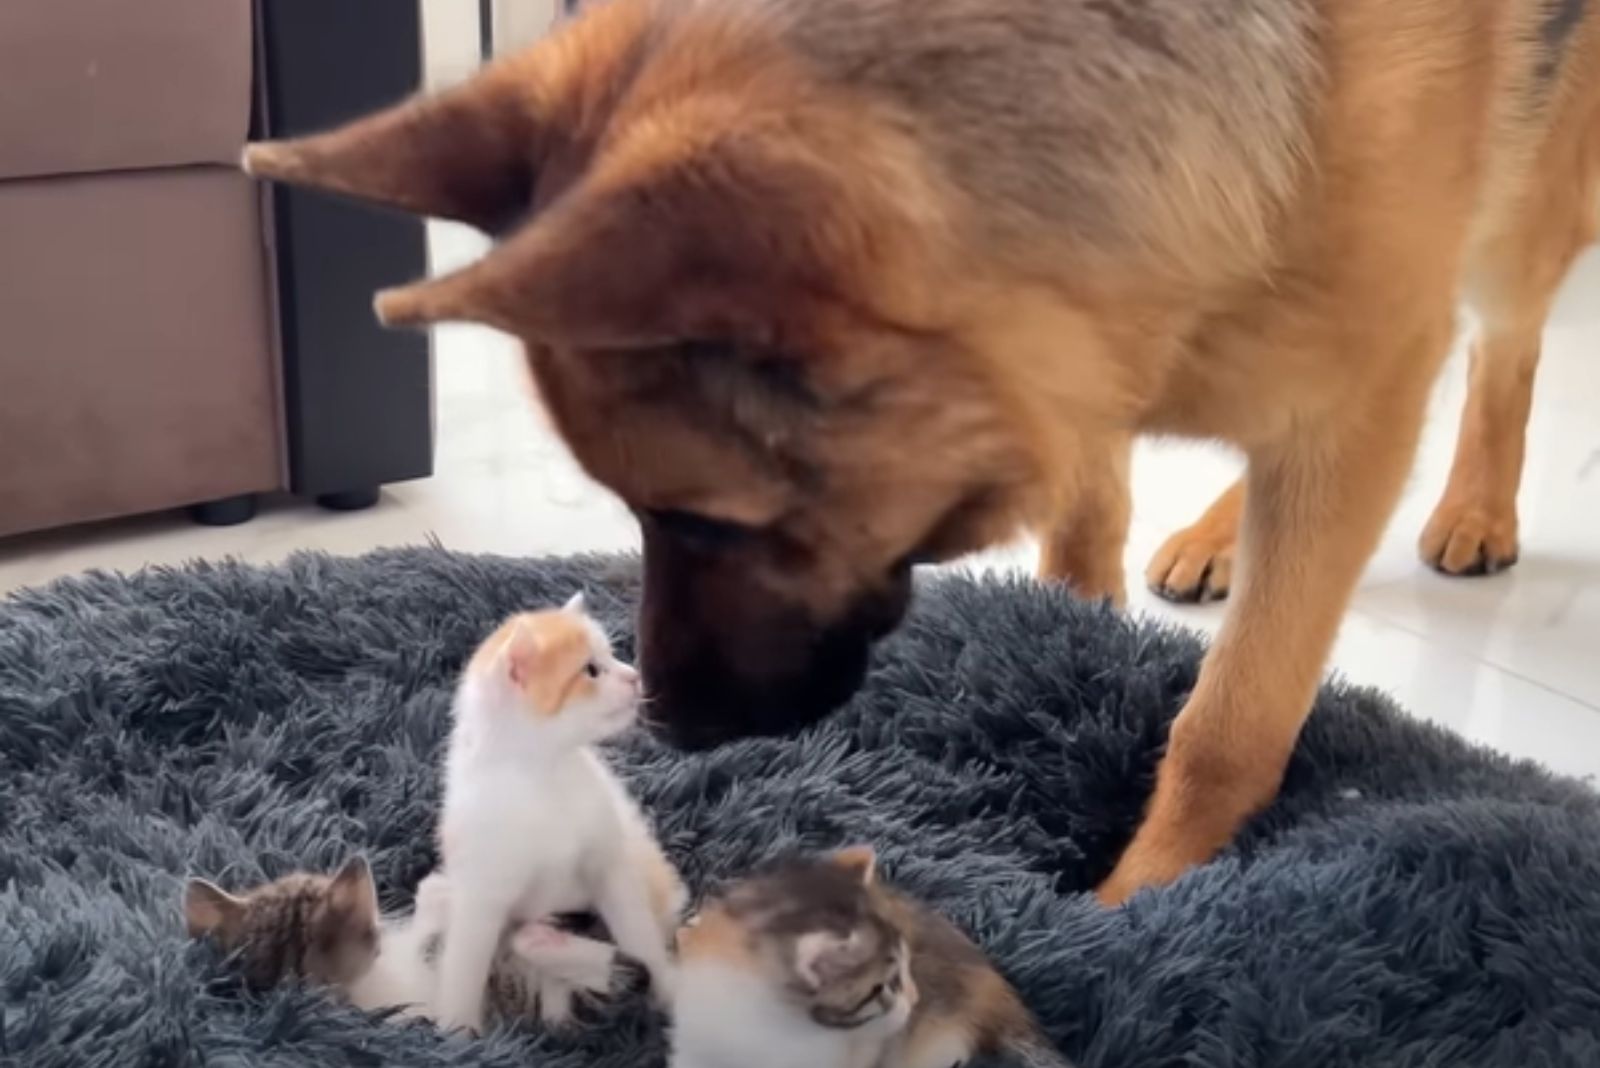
(629, 675)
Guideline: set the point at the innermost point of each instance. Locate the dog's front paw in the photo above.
(1467, 538)
(1194, 566)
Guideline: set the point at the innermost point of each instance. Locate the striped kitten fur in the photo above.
(327, 930)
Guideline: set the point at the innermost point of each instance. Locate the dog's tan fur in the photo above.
(882, 278)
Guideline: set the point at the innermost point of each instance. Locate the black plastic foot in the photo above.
(349, 500)
(227, 512)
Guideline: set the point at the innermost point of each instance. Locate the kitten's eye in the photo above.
(872, 997)
(699, 531)
(592, 670)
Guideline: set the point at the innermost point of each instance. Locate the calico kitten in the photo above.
(534, 824)
(327, 930)
(815, 964)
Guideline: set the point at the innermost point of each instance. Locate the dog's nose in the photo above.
(650, 719)
(688, 738)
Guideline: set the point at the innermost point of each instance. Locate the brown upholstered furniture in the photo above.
(159, 347)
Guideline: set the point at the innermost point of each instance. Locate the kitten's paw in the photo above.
(664, 987)
(597, 976)
(433, 898)
(453, 1021)
(555, 1003)
(582, 963)
(533, 940)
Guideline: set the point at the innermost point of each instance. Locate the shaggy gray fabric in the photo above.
(1410, 901)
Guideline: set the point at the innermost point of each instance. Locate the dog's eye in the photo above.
(708, 349)
(700, 531)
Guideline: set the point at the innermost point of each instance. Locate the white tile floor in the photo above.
(1513, 660)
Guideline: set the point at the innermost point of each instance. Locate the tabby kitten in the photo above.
(316, 928)
(327, 930)
(816, 964)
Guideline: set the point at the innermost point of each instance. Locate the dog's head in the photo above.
(724, 301)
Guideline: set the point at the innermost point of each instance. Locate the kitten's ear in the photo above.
(523, 653)
(822, 958)
(575, 604)
(860, 861)
(210, 910)
(352, 894)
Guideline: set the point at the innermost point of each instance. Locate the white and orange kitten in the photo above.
(534, 823)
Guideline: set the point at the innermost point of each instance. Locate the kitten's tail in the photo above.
(1033, 1052)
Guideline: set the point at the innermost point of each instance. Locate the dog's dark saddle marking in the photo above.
(1561, 20)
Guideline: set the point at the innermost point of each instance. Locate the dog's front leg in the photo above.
(1084, 543)
(1315, 507)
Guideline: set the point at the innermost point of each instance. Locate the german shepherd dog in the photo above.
(826, 288)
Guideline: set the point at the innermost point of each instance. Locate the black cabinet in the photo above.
(358, 397)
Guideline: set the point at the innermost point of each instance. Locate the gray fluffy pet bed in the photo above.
(1409, 901)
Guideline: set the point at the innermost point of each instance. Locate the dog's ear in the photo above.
(467, 154)
(702, 245)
